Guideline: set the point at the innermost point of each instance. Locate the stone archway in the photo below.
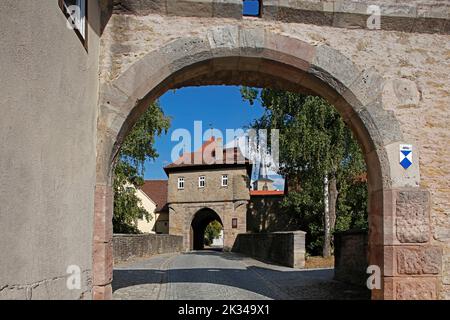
(399, 236)
(199, 222)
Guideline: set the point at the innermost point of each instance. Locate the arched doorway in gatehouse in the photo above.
(199, 223)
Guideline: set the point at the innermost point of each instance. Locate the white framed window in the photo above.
(180, 183)
(225, 180)
(201, 181)
(76, 13)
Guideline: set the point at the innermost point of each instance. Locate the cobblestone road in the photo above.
(222, 276)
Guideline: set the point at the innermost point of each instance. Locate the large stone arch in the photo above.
(399, 210)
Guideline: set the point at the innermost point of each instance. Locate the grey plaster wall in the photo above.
(49, 94)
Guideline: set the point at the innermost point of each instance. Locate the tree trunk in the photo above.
(326, 219)
(333, 194)
(330, 194)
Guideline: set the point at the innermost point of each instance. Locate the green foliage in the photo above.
(129, 170)
(352, 207)
(212, 232)
(324, 147)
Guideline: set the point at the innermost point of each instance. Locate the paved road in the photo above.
(207, 275)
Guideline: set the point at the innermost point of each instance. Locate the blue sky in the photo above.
(221, 107)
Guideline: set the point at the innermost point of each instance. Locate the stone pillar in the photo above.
(350, 256)
(412, 264)
(103, 245)
(299, 249)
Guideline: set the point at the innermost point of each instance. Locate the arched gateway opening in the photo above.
(199, 223)
(255, 57)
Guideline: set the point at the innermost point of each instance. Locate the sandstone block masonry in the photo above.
(410, 16)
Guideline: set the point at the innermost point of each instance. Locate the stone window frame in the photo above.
(200, 180)
(180, 183)
(83, 23)
(224, 178)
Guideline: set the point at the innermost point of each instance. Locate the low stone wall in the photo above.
(350, 257)
(129, 246)
(285, 248)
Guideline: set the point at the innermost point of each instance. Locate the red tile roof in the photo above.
(266, 193)
(157, 191)
(206, 153)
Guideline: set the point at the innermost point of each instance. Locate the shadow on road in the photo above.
(295, 284)
(217, 252)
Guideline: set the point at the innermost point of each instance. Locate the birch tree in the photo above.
(317, 154)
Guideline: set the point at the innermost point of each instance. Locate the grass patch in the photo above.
(319, 262)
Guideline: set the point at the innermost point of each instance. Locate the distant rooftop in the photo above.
(266, 193)
(157, 191)
(206, 156)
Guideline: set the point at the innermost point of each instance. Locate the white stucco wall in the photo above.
(143, 225)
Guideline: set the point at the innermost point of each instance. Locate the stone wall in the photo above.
(285, 248)
(127, 246)
(237, 189)
(350, 257)
(413, 15)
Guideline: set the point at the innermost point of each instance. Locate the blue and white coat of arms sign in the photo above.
(406, 159)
